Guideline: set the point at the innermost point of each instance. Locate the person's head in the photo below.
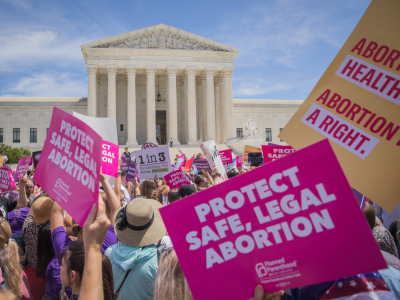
(170, 281)
(147, 188)
(9, 259)
(171, 197)
(185, 190)
(108, 279)
(126, 149)
(199, 181)
(41, 208)
(2, 152)
(71, 269)
(369, 213)
(187, 174)
(176, 155)
(139, 224)
(123, 177)
(231, 173)
(29, 187)
(45, 251)
(393, 230)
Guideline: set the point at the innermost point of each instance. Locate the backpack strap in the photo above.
(126, 275)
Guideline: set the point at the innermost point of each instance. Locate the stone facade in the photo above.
(158, 82)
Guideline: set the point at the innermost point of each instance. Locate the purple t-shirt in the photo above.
(54, 285)
(61, 241)
(16, 225)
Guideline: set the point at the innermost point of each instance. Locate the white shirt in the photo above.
(165, 200)
(127, 198)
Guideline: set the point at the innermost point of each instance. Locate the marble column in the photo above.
(151, 106)
(8, 131)
(204, 105)
(222, 110)
(172, 105)
(92, 98)
(210, 106)
(112, 92)
(191, 104)
(217, 110)
(131, 105)
(185, 110)
(230, 130)
(199, 97)
(167, 138)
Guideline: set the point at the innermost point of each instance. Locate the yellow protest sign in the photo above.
(249, 149)
(356, 105)
(1, 161)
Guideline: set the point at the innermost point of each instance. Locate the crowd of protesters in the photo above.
(123, 250)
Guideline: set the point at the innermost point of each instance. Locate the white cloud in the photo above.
(24, 48)
(48, 84)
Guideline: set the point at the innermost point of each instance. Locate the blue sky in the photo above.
(285, 45)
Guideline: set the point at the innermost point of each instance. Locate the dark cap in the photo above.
(185, 190)
(126, 148)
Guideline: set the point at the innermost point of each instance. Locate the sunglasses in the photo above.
(29, 187)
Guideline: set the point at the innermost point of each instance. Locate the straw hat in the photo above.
(41, 208)
(139, 224)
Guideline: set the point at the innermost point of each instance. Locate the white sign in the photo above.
(178, 164)
(153, 161)
(210, 151)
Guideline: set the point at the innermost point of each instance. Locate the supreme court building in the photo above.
(158, 82)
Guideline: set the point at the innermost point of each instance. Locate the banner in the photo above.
(249, 149)
(239, 160)
(125, 162)
(109, 159)
(232, 165)
(356, 105)
(243, 232)
(271, 153)
(182, 154)
(105, 127)
(202, 164)
(188, 164)
(210, 151)
(131, 172)
(36, 157)
(23, 163)
(226, 156)
(149, 146)
(179, 163)
(153, 161)
(6, 179)
(176, 179)
(69, 166)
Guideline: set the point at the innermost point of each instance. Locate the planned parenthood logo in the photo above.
(62, 190)
(277, 271)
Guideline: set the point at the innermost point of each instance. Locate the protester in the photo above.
(120, 183)
(184, 191)
(17, 218)
(138, 227)
(48, 267)
(29, 189)
(7, 205)
(14, 277)
(126, 153)
(148, 189)
(386, 217)
(39, 213)
(5, 158)
(171, 197)
(385, 240)
(171, 141)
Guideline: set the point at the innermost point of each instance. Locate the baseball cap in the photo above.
(185, 190)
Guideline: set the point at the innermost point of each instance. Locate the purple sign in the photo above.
(149, 145)
(125, 162)
(361, 199)
(131, 172)
(202, 164)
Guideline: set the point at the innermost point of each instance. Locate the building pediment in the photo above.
(159, 37)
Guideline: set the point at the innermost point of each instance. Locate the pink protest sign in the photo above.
(6, 179)
(70, 164)
(109, 159)
(23, 163)
(280, 225)
(239, 160)
(176, 179)
(272, 153)
(226, 156)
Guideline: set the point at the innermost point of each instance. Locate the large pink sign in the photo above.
(109, 158)
(176, 179)
(280, 225)
(226, 156)
(69, 166)
(273, 152)
(6, 179)
(239, 160)
(23, 163)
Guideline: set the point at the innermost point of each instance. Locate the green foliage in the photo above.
(13, 154)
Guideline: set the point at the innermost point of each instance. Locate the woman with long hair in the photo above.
(72, 269)
(14, 277)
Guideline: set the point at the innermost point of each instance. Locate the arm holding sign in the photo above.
(112, 198)
(117, 184)
(22, 199)
(56, 218)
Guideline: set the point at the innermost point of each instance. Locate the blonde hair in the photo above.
(9, 259)
(170, 281)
